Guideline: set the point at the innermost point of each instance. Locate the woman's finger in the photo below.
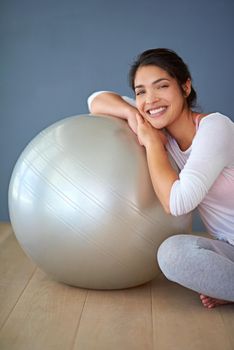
(139, 118)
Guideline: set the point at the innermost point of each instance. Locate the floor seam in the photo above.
(17, 300)
(78, 323)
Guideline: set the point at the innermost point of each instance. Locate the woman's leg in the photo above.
(201, 264)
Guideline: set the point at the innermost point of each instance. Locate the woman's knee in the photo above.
(171, 254)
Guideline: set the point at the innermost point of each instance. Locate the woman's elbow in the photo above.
(179, 211)
(93, 103)
(169, 210)
(93, 108)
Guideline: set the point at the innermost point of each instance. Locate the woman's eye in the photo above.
(163, 86)
(140, 92)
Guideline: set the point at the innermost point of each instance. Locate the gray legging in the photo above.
(201, 264)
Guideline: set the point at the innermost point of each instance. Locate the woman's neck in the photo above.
(183, 129)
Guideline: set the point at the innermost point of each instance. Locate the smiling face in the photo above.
(159, 98)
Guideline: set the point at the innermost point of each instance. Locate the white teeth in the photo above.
(157, 110)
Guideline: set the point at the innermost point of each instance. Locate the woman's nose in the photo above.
(151, 97)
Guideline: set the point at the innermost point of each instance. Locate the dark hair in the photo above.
(171, 63)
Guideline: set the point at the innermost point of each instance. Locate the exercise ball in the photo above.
(82, 205)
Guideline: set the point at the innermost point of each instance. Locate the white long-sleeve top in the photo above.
(206, 178)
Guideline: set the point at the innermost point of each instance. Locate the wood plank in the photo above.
(39, 313)
(227, 314)
(181, 322)
(46, 316)
(5, 230)
(114, 320)
(15, 272)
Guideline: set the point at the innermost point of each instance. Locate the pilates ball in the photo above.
(82, 205)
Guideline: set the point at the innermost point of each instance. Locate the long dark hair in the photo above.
(169, 61)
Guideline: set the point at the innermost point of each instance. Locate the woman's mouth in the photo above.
(156, 112)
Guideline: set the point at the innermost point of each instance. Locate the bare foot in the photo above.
(210, 303)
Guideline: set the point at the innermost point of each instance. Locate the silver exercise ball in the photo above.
(83, 208)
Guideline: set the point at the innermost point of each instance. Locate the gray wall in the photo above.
(54, 53)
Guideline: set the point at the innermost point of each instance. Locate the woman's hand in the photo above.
(147, 134)
(132, 121)
(162, 174)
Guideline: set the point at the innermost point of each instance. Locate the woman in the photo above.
(203, 147)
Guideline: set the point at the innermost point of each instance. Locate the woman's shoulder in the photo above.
(216, 118)
(216, 124)
(216, 131)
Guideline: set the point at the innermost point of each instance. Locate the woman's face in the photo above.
(159, 98)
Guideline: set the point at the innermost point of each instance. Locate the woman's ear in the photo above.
(187, 87)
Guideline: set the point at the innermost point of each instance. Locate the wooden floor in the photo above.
(39, 313)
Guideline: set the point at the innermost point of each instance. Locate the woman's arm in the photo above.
(162, 174)
(212, 151)
(110, 103)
